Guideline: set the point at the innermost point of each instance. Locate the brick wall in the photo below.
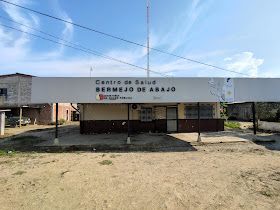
(136, 126)
(18, 89)
(62, 111)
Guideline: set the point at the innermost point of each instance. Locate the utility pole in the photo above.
(148, 42)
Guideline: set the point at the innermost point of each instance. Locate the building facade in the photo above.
(149, 117)
(127, 104)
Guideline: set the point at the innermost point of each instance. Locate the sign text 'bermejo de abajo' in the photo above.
(152, 90)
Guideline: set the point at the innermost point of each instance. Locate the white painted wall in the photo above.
(273, 126)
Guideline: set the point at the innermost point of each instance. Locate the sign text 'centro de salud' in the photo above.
(106, 87)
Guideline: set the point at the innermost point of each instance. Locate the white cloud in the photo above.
(244, 63)
(179, 32)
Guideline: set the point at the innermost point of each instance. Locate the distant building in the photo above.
(239, 111)
(15, 94)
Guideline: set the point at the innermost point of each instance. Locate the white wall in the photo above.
(273, 126)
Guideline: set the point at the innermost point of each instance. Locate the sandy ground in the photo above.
(211, 175)
(216, 176)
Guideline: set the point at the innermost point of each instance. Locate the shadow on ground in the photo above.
(42, 140)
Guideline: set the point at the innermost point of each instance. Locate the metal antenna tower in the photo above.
(148, 42)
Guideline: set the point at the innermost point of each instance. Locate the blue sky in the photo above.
(238, 35)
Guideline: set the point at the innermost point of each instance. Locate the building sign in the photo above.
(109, 88)
(153, 90)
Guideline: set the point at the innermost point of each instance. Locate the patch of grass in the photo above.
(106, 162)
(3, 153)
(232, 125)
(64, 172)
(6, 153)
(258, 151)
(19, 173)
(268, 194)
(103, 155)
(59, 122)
(6, 162)
(114, 156)
(3, 181)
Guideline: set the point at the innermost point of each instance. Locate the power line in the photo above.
(87, 51)
(125, 40)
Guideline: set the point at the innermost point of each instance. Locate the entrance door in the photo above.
(171, 117)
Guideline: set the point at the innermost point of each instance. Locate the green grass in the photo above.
(64, 172)
(268, 194)
(232, 125)
(59, 122)
(114, 156)
(106, 162)
(19, 172)
(5, 153)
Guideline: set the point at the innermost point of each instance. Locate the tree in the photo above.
(269, 111)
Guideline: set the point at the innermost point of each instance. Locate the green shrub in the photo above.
(106, 162)
(232, 125)
(59, 122)
(19, 173)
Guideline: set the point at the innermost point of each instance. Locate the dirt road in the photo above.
(226, 176)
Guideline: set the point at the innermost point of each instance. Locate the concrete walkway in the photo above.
(176, 139)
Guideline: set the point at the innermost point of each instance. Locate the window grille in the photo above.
(206, 112)
(146, 114)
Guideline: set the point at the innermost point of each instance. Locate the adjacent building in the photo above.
(240, 111)
(15, 95)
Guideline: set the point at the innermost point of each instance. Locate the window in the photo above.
(3, 91)
(67, 115)
(206, 112)
(146, 114)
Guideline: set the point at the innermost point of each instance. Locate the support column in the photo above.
(128, 126)
(198, 122)
(2, 123)
(254, 122)
(20, 116)
(56, 142)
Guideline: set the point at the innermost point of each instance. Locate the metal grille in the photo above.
(206, 112)
(146, 114)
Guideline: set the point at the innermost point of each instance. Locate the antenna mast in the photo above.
(148, 44)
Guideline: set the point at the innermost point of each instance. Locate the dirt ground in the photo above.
(226, 176)
(222, 175)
